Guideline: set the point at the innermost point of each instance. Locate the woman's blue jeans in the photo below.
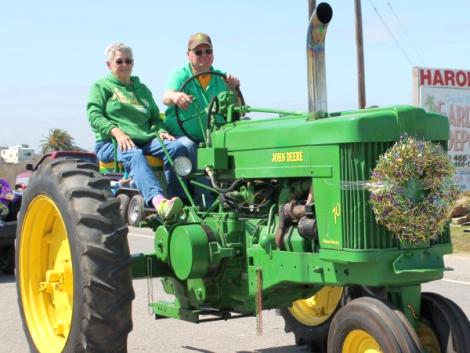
(134, 162)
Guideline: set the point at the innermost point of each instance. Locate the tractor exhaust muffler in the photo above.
(316, 70)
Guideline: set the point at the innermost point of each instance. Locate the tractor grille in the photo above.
(360, 230)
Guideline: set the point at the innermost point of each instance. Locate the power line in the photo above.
(404, 30)
(391, 34)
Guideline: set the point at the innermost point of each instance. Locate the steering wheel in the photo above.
(200, 106)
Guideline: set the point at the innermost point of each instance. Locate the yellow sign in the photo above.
(279, 157)
(337, 211)
(330, 242)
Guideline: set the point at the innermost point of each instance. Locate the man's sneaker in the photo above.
(168, 209)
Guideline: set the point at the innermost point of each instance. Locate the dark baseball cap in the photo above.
(198, 39)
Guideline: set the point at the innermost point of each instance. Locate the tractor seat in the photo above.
(156, 164)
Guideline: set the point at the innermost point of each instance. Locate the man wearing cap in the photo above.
(200, 58)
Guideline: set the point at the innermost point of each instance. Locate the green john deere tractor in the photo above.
(292, 228)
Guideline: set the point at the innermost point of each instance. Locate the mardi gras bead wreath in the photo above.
(412, 190)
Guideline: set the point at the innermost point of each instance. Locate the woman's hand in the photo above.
(124, 142)
(166, 136)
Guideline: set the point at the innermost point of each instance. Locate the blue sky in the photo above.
(52, 51)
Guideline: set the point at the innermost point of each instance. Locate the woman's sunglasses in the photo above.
(127, 61)
(199, 52)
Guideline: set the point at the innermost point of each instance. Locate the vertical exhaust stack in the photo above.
(316, 71)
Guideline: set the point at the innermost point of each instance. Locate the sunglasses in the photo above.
(127, 61)
(199, 52)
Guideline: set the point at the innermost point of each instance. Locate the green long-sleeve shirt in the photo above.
(131, 108)
(202, 97)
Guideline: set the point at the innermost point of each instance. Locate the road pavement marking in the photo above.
(141, 236)
(456, 281)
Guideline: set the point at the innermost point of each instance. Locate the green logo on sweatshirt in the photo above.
(130, 99)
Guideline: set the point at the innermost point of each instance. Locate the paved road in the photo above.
(235, 336)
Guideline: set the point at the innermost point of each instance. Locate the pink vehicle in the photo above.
(22, 179)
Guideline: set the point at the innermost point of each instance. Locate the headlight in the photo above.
(183, 166)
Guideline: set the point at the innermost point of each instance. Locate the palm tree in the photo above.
(57, 140)
(430, 104)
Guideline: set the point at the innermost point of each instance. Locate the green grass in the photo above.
(460, 239)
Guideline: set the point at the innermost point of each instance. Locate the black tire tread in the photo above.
(91, 220)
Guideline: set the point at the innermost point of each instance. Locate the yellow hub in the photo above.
(46, 275)
(318, 308)
(428, 338)
(359, 341)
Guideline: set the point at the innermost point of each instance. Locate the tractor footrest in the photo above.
(164, 310)
(217, 315)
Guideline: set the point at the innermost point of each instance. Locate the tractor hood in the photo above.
(370, 125)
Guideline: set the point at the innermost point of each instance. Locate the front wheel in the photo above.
(123, 205)
(73, 263)
(444, 328)
(135, 213)
(367, 325)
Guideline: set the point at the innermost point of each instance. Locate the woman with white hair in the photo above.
(121, 107)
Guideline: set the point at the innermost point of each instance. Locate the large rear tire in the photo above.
(367, 325)
(309, 319)
(73, 263)
(445, 328)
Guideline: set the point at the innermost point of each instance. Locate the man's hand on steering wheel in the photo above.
(181, 99)
(233, 84)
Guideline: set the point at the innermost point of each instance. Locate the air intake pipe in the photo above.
(317, 98)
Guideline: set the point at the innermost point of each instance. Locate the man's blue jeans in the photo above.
(134, 161)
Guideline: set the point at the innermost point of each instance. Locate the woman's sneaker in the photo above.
(168, 209)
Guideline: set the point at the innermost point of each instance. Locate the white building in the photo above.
(17, 154)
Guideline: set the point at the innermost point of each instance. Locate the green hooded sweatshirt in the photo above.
(131, 108)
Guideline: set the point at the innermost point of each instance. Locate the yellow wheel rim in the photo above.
(317, 309)
(428, 338)
(46, 276)
(359, 341)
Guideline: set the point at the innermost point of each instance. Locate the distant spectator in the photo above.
(7, 196)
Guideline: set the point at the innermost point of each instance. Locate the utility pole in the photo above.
(361, 79)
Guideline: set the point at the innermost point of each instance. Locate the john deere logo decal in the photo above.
(279, 157)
